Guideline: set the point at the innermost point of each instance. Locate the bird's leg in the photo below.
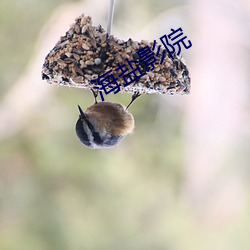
(134, 97)
(95, 94)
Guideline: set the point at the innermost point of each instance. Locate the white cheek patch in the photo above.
(89, 133)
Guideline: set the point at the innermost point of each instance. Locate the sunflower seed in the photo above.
(88, 62)
(85, 46)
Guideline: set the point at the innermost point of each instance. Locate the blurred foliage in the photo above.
(20, 23)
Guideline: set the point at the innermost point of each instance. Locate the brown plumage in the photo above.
(111, 117)
(104, 125)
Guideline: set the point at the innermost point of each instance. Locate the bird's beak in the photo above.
(82, 115)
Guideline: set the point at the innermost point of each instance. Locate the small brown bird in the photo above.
(104, 125)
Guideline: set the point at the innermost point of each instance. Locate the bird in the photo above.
(104, 124)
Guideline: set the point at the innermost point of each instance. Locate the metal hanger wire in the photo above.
(110, 15)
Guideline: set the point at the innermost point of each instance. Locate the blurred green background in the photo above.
(180, 182)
